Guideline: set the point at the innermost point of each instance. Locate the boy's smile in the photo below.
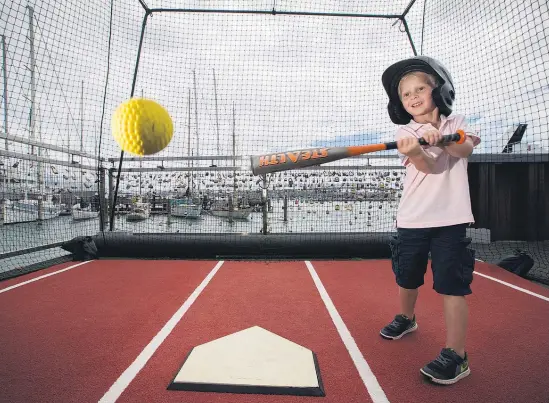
(415, 94)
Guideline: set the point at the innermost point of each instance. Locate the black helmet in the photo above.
(443, 94)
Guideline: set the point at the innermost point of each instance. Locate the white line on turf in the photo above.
(368, 378)
(513, 286)
(42, 277)
(118, 387)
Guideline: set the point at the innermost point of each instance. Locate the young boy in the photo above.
(435, 208)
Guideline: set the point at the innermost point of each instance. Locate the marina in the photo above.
(199, 201)
(61, 171)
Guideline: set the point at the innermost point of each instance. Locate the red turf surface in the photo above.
(280, 297)
(36, 274)
(68, 337)
(508, 342)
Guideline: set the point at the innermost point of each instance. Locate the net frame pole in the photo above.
(115, 196)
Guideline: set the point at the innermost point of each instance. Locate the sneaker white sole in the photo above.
(386, 336)
(446, 381)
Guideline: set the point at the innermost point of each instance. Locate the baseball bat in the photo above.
(284, 161)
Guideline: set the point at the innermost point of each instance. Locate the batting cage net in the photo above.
(242, 79)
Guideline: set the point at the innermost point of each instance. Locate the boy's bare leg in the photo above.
(408, 300)
(456, 314)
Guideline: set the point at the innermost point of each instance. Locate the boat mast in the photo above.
(68, 137)
(82, 119)
(32, 69)
(32, 118)
(234, 155)
(189, 162)
(196, 118)
(141, 166)
(5, 73)
(82, 140)
(5, 176)
(216, 116)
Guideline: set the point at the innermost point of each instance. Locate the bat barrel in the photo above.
(283, 161)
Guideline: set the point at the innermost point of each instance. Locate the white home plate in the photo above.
(253, 360)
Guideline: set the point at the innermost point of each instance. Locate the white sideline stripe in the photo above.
(131, 372)
(44, 276)
(368, 378)
(514, 286)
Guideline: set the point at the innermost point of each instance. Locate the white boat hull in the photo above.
(27, 211)
(136, 217)
(240, 214)
(79, 215)
(187, 208)
(12, 216)
(140, 212)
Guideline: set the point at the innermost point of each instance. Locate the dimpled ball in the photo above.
(141, 126)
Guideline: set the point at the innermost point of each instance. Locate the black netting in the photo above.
(248, 78)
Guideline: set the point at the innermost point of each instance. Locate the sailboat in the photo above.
(27, 210)
(82, 210)
(231, 209)
(189, 206)
(139, 211)
(80, 213)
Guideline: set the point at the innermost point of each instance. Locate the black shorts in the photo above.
(452, 261)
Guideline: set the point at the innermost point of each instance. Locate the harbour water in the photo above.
(302, 217)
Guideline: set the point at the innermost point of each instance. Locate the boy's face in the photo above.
(415, 94)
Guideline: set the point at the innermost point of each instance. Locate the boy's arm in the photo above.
(462, 150)
(422, 161)
(466, 149)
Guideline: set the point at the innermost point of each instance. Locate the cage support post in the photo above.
(140, 47)
(102, 205)
(2, 210)
(264, 206)
(285, 208)
(5, 75)
(111, 205)
(169, 211)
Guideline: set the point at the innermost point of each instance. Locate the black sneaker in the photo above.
(447, 368)
(400, 325)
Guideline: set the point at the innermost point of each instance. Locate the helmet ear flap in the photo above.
(443, 97)
(398, 114)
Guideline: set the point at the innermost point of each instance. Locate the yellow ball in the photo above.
(141, 126)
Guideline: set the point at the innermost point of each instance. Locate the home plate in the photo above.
(253, 360)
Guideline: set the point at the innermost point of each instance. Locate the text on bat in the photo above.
(292, 156)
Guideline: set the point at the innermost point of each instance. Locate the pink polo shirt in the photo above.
(440, 198)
